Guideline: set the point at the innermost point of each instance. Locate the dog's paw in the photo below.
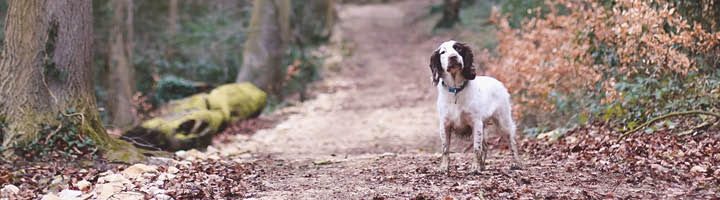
(444, 167)
(477, 168)
(444, 164)
(516, 166)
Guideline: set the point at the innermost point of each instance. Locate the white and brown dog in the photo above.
(466, 101)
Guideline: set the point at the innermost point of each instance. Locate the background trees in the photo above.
(451, 14)
(267, 39)
(178, 49)
(121, 85)
(47, 74)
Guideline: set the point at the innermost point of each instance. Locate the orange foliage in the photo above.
(553, 53)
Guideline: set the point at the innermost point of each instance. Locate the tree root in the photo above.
(672, 114)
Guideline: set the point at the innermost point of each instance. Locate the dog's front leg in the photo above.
(445, 140)
(479, 147)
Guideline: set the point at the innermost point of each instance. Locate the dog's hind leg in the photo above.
(506, 124)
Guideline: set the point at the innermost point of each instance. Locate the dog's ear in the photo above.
(435, 67)
(464, 50)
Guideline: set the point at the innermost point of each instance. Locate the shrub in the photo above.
(620, 61)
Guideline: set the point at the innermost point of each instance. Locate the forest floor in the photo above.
(369, 132)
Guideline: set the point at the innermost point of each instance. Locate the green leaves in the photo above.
(64, 139)
(172, 87)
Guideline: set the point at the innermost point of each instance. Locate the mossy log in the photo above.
(237, 101)
(193, 121)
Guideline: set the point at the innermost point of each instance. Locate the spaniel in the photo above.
(466, 102)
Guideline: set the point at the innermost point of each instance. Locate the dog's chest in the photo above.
(457, 118)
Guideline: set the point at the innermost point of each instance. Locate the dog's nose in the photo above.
(454, 61)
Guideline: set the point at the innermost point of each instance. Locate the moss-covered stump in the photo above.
(193, 121)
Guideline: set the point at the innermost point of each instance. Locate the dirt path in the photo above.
(381, 101)
(376, 121)
(370, 131)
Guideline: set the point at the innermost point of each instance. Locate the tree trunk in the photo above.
(172, 28)
(121, 66)
(267, 39)
(451, 14)
(313, 20)
(46, 65)
(173, 18)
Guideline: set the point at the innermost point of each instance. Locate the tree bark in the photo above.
(451, 14)
(313, 20)
(121, 85)
(267, 40)
(46, 65)
(173, 18)
(172, 28)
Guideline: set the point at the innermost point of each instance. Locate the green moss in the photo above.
(170, 125)
(191, 122)
(74, 135)
(124, 152)
(112, 149)
(22, 130)
(237, 101)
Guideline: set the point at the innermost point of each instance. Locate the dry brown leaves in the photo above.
(38, 178)
(674, 165)
(209, 180)
(553, 53)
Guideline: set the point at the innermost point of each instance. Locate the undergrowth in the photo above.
(569, 62)
(63, 140)
(301, 69)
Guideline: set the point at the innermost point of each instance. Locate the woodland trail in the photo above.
(369, 132)
(375, 119)
(381, 100)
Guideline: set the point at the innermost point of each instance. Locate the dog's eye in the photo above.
(442, 52)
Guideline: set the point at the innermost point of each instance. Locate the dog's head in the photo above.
(453, 58)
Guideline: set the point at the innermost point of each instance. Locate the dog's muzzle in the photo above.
(454, 64)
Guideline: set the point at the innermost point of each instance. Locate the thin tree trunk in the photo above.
(173, 18)
(46, 65)
(172, 28)
(121, 67)
(313, 21)
(267, 39)
(451, 14)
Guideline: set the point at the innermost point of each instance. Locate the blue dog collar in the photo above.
(455, 90)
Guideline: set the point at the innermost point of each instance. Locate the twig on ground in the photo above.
(140, 142)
